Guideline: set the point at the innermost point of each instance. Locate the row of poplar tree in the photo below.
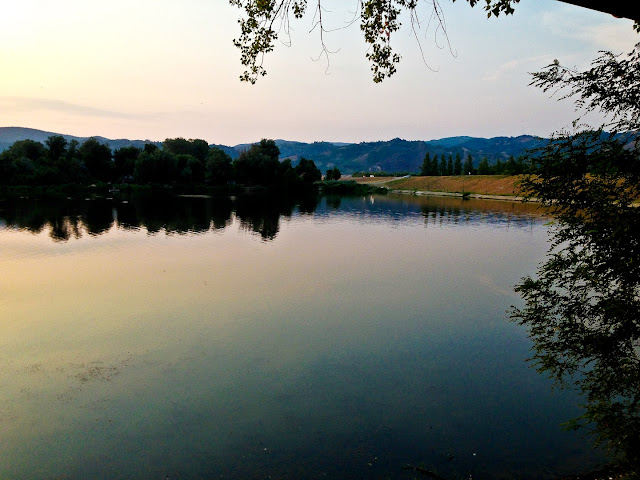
(442, 166)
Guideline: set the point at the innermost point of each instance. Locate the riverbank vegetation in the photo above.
(70, 167)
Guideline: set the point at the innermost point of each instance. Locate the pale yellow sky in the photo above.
(158, 68)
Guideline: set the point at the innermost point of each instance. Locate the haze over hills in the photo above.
(390, 156)
(10, 135)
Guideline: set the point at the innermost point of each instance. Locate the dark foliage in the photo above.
(264, 22)
(333, 174)
(308, 171)
(179, 162)
(583, 309)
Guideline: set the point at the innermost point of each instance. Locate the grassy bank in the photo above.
(474, 184)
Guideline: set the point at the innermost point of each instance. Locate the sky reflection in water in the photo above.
(339, 339)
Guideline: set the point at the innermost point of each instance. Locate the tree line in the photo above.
(177, 161)
(443, 166)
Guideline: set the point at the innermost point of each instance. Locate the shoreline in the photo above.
(504, 198)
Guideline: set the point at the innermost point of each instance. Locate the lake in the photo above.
(189, 338)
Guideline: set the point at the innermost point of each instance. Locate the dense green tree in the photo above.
(189, 168)
(191, 156)
(457, 165)
(511, 168)
(72, 149)
(27, 162)
(218, 168)
(432, 169)
(179, 146)
(269, 148)
(442, 166)
(71, 168)
(289, 177)
(19, 162)
(497, 168)
(97, 159)
(34, 151)
(307, 171)
(333, 174)
(450, 165)
(468, 166)
(425, 170)
(57, 147)
(259, 164)
(124, 160)
(150, 148)
(483, 167)
(155, 166)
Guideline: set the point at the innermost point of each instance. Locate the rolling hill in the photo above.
(390, 156)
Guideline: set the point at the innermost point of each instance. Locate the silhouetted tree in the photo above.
(442, 166)
(425, 170)
(378, 21)
(582, 309)
(307, 171)
(97, 159)
(155, 166)
(468, 166)
(179, 146)
(457, 165)
(57, 146)
(19, 162)
(333, 174)
(124, 160)
(218, 169)
(259, 165)
(483, 167)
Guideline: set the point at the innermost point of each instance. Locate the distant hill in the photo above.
(390, 156)
(402, 155)
(10, 135)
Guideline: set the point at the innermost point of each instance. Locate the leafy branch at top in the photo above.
(611, 85)
(264, 20)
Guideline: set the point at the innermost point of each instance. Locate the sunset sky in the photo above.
(152, 69)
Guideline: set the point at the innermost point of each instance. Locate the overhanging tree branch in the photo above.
(264, 20)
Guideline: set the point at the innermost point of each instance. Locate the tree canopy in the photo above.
(178, 162)
(266, 21)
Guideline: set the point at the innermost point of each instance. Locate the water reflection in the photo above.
(359, 341)
(257, 214)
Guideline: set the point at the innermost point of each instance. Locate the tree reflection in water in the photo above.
(257, 213)
(67, 219)
(583, 309)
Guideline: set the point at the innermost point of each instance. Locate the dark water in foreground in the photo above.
(239, 339)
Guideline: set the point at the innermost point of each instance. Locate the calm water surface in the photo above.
(346, 338)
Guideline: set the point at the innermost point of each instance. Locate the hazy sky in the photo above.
(152, 69)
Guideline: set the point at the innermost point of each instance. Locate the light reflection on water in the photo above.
(342, 339)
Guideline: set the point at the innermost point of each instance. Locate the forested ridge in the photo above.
(396, 155)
